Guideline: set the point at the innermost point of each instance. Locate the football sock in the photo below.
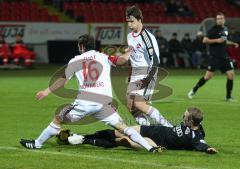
(48, 132)
(199, 84)
(136, 137)
(141, 120)
(100, 142)
(156, 115)
(229, 87)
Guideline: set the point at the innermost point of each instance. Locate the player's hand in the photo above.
(128, 49)
(212, 151)
(236, 45)
(220, 40)
(41, 94)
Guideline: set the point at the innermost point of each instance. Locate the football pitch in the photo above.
(21, 116)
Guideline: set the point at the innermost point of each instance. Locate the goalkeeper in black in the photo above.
(217, 40)
(189, 135)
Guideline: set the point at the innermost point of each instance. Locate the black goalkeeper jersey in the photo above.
(218, 50)
(178, 137)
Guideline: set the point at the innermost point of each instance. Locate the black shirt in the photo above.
(178, 137)
(162, 44)
(218, 50)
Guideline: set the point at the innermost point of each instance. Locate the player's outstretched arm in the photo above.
(236, 45)
(56, 85)
(206, 40)
(125, 57)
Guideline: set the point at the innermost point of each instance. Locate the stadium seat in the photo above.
(13, 11)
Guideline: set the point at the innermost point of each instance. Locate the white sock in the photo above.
(156, 115)
(136, 137)
(141, 120)
(48, 132)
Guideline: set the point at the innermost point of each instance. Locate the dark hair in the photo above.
(174, 34)
(196, 115)
(135, 12)
(87, 41)
(220, 13)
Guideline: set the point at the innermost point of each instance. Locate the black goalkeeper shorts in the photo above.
(154, 133)
(222, 64)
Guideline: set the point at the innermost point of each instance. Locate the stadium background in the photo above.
(51, 28)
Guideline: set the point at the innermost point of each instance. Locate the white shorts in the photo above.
(135, 89)
(85, 114)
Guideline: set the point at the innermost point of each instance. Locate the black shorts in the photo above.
(222, 64)
(154, 133)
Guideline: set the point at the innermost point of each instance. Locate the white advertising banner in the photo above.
(180, 29)
(109, 33)
(42, 32)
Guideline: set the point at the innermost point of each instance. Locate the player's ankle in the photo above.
(37, 144)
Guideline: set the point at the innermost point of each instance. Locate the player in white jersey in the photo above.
(92, 70)
(144, 62)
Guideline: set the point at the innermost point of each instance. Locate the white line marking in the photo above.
(198, 101)
(99, 158)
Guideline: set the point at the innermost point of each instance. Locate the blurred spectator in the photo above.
(21, 53)
(183, 9)
(177, 52)
(5, 52)
(187, 44)
(234, 53)
(163, 47)
(177, 8)
(199, 50)
(171, 8)
(234, 35)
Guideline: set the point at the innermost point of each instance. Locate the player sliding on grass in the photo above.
(92, 70)
(189, 135)
(217, 40)
(144, 62)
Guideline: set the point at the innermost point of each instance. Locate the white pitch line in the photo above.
(198, 101)
(99, 158)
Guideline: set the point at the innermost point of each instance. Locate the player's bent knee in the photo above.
(130, 104)
(57, 120)
(121, 126)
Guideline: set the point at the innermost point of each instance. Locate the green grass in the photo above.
(21, 116)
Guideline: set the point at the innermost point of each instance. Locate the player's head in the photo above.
(220, 19)
(192, 116)
(19, 38)
(158, 33)
(174, 35)
(134, 18)
(85, 43)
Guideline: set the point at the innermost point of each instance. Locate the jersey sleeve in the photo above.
(128, 39)
(112, 60)
(70, 69)
(200, 144)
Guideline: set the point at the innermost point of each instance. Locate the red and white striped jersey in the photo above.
(139, 57)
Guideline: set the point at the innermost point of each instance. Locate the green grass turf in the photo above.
(21, 116)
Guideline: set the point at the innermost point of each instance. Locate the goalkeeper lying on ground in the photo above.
(189, 135)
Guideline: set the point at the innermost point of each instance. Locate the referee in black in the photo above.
(217, 40)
